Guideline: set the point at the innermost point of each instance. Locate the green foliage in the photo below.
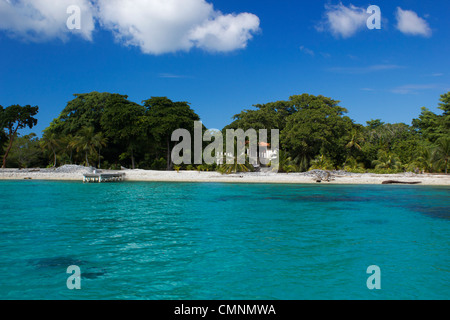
(123, 122)
(85, 110)
(443, 152)
(315, 133)
(352, 165)
(285, 163)
(234, 166)
(119, 130)
(268, 116)
(26, 152)
(206, 167)
(387, 160)
(317, 127)
(431, 126)
(163, 117)
(426, 159)
(88, 142)
(159, 164)
(322, 163)
(445, 105)
(51, 144)
(13, 119)
(3, 139)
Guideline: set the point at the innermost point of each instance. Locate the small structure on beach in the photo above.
(103, 177)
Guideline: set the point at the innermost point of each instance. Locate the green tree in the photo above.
(443, 152)
(13, 119)
(69, 143)
(51, 142)
(26, 152)
(445, 105)
(85, 110)
(164, 117)
(86, 142)
(235, 166)
(352, 165)
(387, 160)
(426, 159)
(99, 141)
(3, 138)
(432, 126)
(124, 123)
(322, 163)
(317, 127)
(355, 138)
(267, 116)
(285, 163)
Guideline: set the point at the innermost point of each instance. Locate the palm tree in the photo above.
(70, 142)
(321, 163)
(387, 161)
(356, 137)
(235, 166)
(426, 159)
(51, 142)
(85, 142)
(98, 142)
(351, 164)
(443, 151)
(285, 163)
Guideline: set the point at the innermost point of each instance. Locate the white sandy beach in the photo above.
(75, 173)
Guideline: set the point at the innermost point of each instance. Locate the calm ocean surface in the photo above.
(223, 241)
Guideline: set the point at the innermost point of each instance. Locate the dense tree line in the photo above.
(108, 131)
(316, 134)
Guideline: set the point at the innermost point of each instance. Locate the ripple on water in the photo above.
(223, 241)
(88, 271)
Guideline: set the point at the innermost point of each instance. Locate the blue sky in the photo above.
(227, 55)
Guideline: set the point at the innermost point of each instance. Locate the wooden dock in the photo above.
(103, 177)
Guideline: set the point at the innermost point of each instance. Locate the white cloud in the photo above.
(155, 26)
(408, 22)
(41, 20)
(343, 21)
(307, 51)
(366, 69)
(171, 76)
(413, 88)
(225, 32)
(160, 26)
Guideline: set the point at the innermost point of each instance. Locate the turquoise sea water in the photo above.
(223, 241)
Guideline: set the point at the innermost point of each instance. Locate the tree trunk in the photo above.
(132, 159)
(99, 158)
(168, 154)
(11, 139)
(54, 163)
(87, 160)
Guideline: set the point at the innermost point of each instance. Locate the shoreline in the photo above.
(75, 173)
